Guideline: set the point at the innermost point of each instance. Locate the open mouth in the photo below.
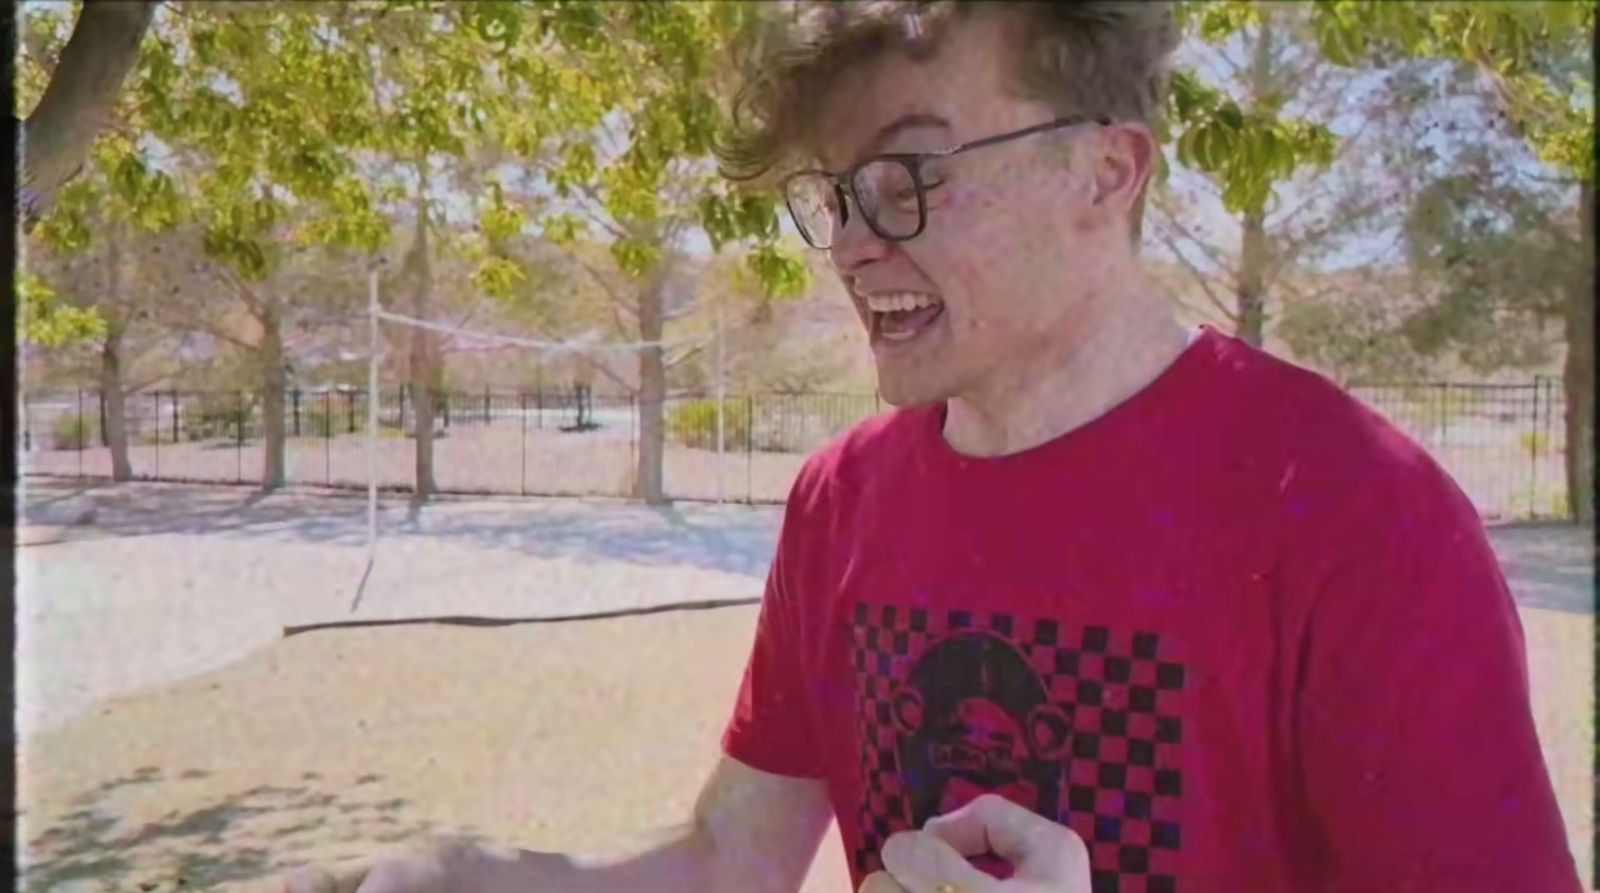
(899, 317)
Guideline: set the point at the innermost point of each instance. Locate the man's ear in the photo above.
(1124, 157)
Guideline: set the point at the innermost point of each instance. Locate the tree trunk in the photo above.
(649, 482)
(274, 389)
(1252, 295)
(1252, 290)
(115, 421)
(1578, 375)
(78, 101)
(426, 374)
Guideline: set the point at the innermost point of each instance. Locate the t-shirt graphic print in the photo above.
(1079, 723)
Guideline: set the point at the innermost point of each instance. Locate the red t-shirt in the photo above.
(1238, 633)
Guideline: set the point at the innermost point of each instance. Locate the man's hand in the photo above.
(449, 865)
(1046, 857)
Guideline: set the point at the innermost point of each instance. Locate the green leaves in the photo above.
(498, 277)
(1245, 152)
(634, 257)
(66, 229)
(782, 275)
(500, 221)
(48, 322)
(496, 22)
(1513, 44)
(562, 229)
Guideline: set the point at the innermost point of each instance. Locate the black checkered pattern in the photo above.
(1121, 778)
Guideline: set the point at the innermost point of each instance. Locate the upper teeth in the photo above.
(900, 300)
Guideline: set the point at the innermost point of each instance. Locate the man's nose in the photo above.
(855, 244)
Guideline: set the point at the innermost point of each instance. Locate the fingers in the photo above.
(446, 860)
(338, 879)
(923, 863)
(880, 882)
(1038, 849)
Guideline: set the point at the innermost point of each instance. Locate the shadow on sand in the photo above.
(255, 834)
(726, 538)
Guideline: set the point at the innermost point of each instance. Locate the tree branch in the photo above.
(601, 368)
(687, 355)
(215, 332)
(135, 388)
(1337, 221)
(247, 295)
(82, 92)
(599, 278)
(1199, 278)
(1211, 252)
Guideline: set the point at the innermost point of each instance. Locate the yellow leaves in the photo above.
(562, 229)
(1505, 40)
(498, 277)
(782, 275)
(44, 320)
(499, 220)
(634, 257)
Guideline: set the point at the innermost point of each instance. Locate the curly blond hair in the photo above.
(1101, 58)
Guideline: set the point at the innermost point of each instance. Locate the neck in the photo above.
(1116, 355)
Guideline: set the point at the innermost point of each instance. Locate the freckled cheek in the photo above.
(965, 216)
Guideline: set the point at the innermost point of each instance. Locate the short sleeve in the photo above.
(1417, 753)
(771, 729)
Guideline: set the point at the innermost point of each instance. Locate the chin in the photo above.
(905, 395)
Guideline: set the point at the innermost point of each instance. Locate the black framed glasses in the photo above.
(887, 190)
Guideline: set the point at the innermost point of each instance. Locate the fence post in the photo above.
(174, 396)
(443, 400)
(104, 439)
(157, 396)
(296, 395)
(486, 404)
(80, 432)
(1534, 449)
(522, 413)
(402, 410)
(1550, 385)
(350, 400)
(327, 438)
(538, 403)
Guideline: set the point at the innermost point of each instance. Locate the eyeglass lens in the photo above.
(885, 194)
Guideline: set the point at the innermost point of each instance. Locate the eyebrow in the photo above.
(905, 122)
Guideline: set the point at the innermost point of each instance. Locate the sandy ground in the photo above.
(189, 578)
(176, 741)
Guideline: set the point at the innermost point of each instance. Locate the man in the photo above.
(1191, 603)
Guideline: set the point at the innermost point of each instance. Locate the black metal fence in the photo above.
(1504, 444)
(552, 443)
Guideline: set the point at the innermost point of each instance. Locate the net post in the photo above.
(238, 435)
(749, 448)
(372, 432)
(721, 409)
